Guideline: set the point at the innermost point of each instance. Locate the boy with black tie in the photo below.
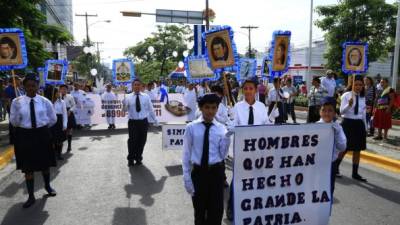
(205, 146)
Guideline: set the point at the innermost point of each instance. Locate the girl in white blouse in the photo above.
(32, 115)
(353, 111)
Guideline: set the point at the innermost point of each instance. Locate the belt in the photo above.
(212, 166)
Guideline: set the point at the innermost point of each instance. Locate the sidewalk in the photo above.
(389, 149)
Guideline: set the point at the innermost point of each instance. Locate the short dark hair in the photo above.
(276, 79)
(49, 92)
(218, 89)
(32, 77)
(11, 43)
(251, 81)
(63, 86)
(209, 99)
(316, 79)
(220, 41)
(136, 80)
(328, 101)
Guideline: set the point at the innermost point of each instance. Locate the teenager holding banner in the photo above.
(205, 147)
(247, 112)
(328, 113)
(108, 97)
(139, 108)
(32, 115)
(353, 111)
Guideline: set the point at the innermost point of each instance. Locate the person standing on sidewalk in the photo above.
(329, 83)
(205, 147)
(370, 95)
(317, 92)
(32, 115)
(353, 111)
(289, 88)
(70, 104)
(383, 112)
(139, 108)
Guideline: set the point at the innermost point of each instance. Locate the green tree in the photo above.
(24, 14)
(165, 41)
(372, 21)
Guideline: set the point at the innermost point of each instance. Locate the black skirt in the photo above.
(57, 132)
(355, 134)
(71, 120)
(33, 150)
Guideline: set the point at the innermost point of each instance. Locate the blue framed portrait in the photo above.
(198, 70)
(13, 53)
(55, 71)
(355, 58)
(247, 68)
(280, 53)
(266, 67)
(221, 52)
(123, 71)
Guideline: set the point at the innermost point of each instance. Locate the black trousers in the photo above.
(333, 176)
(137, 138)
(208, 199)
(290, 110)
(313, 114)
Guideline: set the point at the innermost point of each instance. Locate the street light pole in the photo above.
(308, 77)
(249, 29)
(207, 17)
(396, 50)
(86, 15)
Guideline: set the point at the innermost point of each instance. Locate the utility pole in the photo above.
(308, 77)
(97, 43)
(396, 51)
(86, 15)
(207, 16)
(249, 29)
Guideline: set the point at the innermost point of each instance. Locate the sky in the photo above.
(123, 32)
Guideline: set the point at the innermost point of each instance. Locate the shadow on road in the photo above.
(174, 170)
(144, 183)
(388, 194)
(132, 216)
(32, 216)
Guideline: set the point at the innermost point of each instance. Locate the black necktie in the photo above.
(33, 116)
(138, 108)
(251, 116)
(206, 145)
(356, 106)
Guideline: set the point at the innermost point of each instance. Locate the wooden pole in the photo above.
(14, 83)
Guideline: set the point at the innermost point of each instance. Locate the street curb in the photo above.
(383, 162)
(6, 157)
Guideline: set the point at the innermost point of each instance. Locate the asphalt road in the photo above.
(96, 187)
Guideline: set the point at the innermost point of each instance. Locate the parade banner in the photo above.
(247, 68)
(55, 71)
(172, 136)
(282, 174)
(123, 71)
(197, 69)
(221, 51)
(96, 111)
(355, 58)
(280, 53)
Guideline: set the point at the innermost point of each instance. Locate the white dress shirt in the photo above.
(146, 106)
(329, 84)
(61, 109)
(193, 145)
(69, 102)
(20, 114)
(340, 140)
(347, 111)
(272, 96)
(241, 113)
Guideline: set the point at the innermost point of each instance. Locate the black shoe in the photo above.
(338, 175)
(359, 178)
(51, 192)
(113, 127)
(139, 162)
(109, 127)
(29, 202)
(131, 163)
(69, 149)
(377, 138)
(60, 158)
